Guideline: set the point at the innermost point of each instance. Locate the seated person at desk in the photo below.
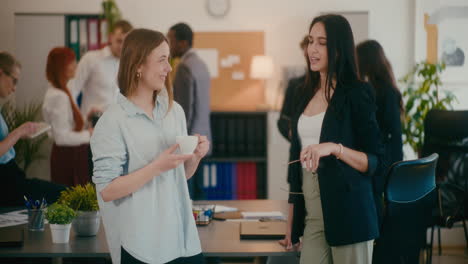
(14, 183)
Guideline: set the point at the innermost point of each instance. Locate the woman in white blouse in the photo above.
(140, 178)
(69, 157)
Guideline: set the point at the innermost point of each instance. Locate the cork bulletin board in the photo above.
(233, 89)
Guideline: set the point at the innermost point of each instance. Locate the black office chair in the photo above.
(446, 133)
(410, 195)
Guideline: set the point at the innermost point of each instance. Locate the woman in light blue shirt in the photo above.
(141, 180)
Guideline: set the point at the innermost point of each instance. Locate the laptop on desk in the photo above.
(263, 230)
(12, 237)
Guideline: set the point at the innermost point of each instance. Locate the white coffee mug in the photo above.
(187, 144)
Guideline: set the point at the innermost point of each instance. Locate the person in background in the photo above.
(284, 122)
(14, 182)
(336, 138)
(375, 68)
(69, 157)
(192, 91)
(96, 76)
(284, 126)
(141, 181)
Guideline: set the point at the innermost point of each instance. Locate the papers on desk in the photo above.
(14, 218)
(224, 209)
(274, 215)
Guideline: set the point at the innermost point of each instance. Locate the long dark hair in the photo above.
(375, 67)
(341, 58)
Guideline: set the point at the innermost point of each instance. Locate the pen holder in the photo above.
(36, 219)
(203, 214)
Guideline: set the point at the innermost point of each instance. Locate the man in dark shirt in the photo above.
(192, 91)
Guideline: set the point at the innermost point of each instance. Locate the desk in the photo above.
(219, 238)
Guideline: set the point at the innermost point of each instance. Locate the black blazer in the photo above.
(388, 118)
(347, 196)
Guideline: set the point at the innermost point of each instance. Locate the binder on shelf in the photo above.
(93, 33)
(213, 182)
(234, 181)
(252, 181)
(250, 138)
(73, 35)
(103, 39)
(240, 136)
(221, 137)
(83, 37)
(231, 148)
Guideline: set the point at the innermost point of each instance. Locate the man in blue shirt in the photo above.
(14, 183)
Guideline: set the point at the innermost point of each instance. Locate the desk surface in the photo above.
(219, 238)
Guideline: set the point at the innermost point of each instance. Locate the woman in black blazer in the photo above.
(331, 188)
(375, 68)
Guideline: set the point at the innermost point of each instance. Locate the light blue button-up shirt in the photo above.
(10, 154)
(154, 224)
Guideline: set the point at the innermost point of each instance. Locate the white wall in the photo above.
(284, 22)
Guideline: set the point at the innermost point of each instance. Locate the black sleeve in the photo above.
(284, 121)
(391, 126)
(365, 127)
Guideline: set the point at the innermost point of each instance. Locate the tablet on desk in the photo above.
(42, 128)
(262, 230)
(12, 237)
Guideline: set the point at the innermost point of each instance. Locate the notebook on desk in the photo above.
(12, 237)
(262, 230)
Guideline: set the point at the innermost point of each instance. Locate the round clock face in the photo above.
(218, 8)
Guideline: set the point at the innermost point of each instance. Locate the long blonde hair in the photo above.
(137, 46)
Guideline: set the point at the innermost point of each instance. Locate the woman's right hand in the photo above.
(286, 242)
(168, 160)
(26, 129)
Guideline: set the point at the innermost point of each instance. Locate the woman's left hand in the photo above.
(311, 154)
(202, 147)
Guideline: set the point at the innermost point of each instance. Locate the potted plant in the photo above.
(422, 95)
(60, 217)
(111, 13)
(83, 200)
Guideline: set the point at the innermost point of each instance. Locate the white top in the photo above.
(155, 224)
(309, 128)
(57, 111)
(96, 77)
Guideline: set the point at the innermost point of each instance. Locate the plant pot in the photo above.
(60, 233)
(86, 223)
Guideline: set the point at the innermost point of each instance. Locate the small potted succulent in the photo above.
(60, 217)
(83, 199)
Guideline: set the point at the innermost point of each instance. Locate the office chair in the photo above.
(446, 133)
(409, 196)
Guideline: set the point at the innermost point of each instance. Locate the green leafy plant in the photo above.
(422, 95)
(27, 150)
(59, 214)
(111, 13)
(80, 198)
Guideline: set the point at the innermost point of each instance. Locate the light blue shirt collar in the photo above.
(132, 110)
